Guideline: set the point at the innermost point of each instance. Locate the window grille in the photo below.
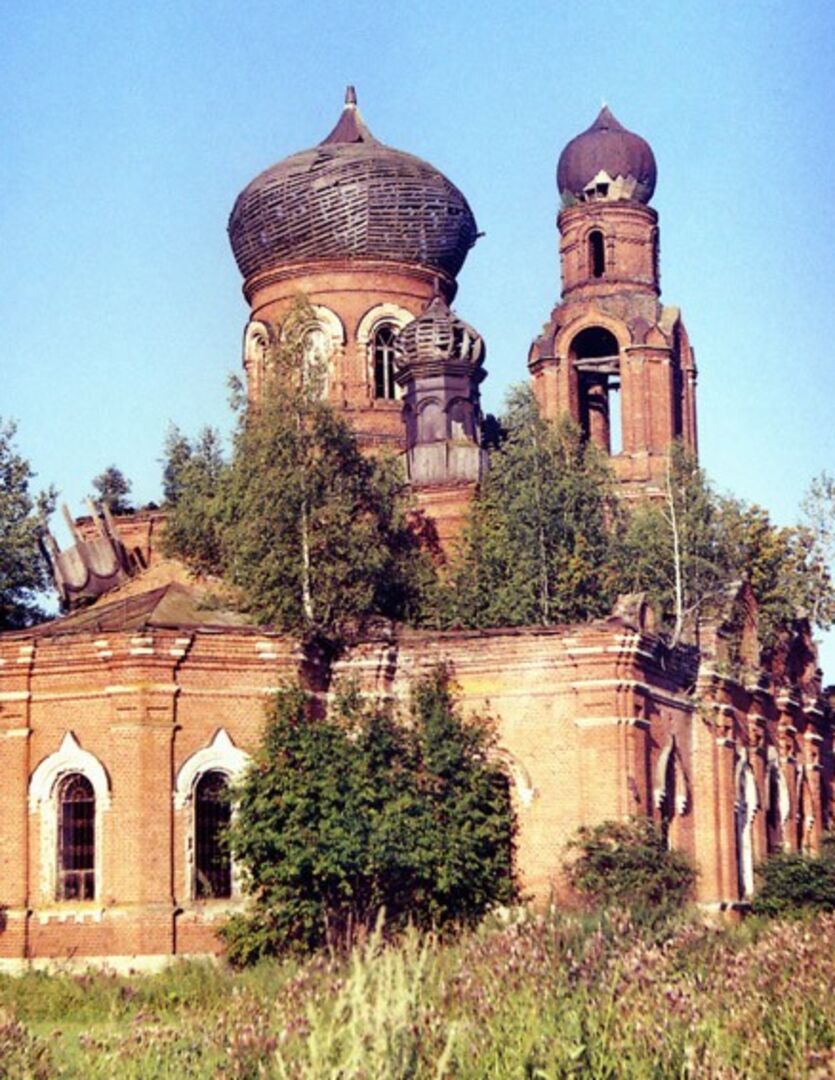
(77, 839)
(212, 814)
(384, 384)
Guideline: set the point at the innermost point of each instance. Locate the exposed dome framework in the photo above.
(351, 197)
(439, 339)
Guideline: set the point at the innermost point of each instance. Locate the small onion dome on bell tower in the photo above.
(439, 362)
(606, 162)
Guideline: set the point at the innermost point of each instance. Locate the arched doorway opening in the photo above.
(595, 355)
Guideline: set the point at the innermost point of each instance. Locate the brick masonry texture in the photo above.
(594, 722)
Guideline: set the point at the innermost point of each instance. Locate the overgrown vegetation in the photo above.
(794, 883)
(311, 532)
(685, 550)
(627, 865)
(344, 816)
(539, 547)
(566, 996)
(23, 568)
(113, 488)
(317, 537)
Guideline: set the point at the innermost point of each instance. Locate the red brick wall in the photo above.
(583, 716)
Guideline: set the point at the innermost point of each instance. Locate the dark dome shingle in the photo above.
(351, 197)
(608, 147)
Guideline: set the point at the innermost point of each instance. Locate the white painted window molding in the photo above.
(44, 792)
(221, 755)
(680, 783)
(517, 774)
(381, 313)
(68, 758)
(747, 805)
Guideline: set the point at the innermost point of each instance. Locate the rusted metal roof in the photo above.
(607, 147)
(351, 197)
(172, 605)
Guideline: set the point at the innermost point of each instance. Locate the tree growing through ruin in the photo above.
(686, 550)
(818, 519)
(311, 532)
(538, 545)
(113, 488)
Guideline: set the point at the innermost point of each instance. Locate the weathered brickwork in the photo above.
(612, 356)
(593, 722)
(141, 696)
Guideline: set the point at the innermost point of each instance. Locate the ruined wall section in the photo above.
(593, 722)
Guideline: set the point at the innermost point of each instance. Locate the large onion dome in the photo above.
(351, 197)
(437, 338)
(607, 161)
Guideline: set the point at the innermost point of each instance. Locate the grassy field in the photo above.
(564, 997)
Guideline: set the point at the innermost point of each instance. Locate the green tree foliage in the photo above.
(538, 546)
(312, 533)
(672, 549)
(23, 568)
(341, 817)
(177, 453)
(818, 528)
(193, 475)
(113, 488)
(792, 883)
(685, 550)
(627, 864)
(788, 577)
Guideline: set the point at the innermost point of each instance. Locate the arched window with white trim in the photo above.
(202, 790)
(382, 349)
(70, 791)
(671, 791)
(76, 879)
(778, 804)
(212, 816)
(376, 333)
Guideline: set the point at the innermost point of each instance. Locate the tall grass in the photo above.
(550, 998)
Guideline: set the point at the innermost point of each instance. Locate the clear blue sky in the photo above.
(127, 130)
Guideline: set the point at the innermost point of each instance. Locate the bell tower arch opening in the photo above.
(595, 360)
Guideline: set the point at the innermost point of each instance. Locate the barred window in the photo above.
(383, 347)
(212, 814)
(76, 839)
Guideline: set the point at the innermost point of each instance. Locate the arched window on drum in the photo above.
(382, 354)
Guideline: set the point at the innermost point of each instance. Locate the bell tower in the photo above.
(612, 356)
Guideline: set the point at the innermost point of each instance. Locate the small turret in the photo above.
(439, 362)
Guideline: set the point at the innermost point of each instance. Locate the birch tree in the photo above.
(538, 546)
(312, 533)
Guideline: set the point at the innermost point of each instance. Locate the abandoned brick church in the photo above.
(123, 722)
